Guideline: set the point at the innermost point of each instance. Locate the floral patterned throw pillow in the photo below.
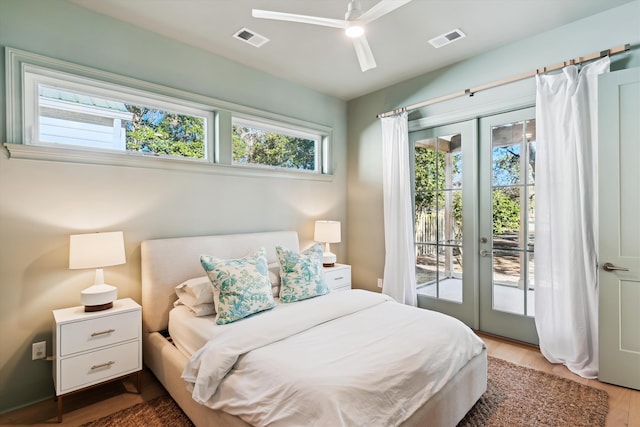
(241, 286)
(301, 274)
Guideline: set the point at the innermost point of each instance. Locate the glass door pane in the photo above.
(438, 213)
(443, 157)
(513, 169)
(507, 217)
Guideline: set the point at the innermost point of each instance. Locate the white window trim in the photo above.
(16, 60)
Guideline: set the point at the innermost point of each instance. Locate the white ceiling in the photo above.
(323, 58)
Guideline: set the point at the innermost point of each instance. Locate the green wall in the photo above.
(609, 29)
(43, 202)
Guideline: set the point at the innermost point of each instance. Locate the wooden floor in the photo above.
(79, 408)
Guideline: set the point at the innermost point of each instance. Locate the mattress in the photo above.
(189, 332)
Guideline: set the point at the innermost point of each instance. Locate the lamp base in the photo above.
(98, 297)
(328, 259)
(90, 308)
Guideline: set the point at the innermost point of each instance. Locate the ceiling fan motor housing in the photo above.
(353, 11)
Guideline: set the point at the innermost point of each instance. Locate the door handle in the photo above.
(607, 266)
(485, 252)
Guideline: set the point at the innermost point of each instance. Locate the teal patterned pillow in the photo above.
(241, 286)
(301, 274)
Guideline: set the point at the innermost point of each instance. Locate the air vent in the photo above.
(447, 38)
(251, 37)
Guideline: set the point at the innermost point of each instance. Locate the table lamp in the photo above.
(327, 232)
(97, 250)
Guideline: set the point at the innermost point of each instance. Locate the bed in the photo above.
(168, 262)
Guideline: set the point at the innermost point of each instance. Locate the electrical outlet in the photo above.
(39, 350)
(379, 283)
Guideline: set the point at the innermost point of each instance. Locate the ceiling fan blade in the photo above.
(292, 17)
(381, 8)
(363, 51)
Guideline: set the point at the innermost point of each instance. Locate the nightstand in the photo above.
(338, 277)
(90, 348)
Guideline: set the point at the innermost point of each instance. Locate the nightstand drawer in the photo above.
(338, 278)
(98, 332)
(98, 366)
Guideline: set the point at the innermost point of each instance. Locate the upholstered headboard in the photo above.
(168, 262)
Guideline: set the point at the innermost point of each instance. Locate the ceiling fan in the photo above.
(353, 24)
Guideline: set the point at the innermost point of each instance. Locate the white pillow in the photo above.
(199, 310)
(274, 278)
(196, 294)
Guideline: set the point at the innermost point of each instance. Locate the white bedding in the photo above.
(343, 359)
(188, 332)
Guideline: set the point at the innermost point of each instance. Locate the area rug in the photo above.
(523, 397)
(161, 411)
(515, 397)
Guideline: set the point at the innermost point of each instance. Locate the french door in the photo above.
(507, 224)
(474, 210)
(445, 205)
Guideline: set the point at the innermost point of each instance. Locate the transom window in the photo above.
(261, 144)
(96, 115)
(55, 107)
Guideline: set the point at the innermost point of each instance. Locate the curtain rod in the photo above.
(473, 90)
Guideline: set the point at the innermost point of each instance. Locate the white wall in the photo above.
(43, 202)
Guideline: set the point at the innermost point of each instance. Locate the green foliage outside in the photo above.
(430, 176)
(506, 210)
(163, 133)
(255, 146)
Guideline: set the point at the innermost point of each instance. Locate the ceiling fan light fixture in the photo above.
(354, 30)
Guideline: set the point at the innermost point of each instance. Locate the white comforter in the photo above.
(345, 359)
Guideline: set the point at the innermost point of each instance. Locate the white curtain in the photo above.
(400, 261)
(566, 223)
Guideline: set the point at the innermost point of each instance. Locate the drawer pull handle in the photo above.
(103, 365)
(339, 278)
(108, 331)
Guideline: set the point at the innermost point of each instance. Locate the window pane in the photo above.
(451, 218)
(508, 284)
(456, 170)
(426, 226)
(439, 271)
(255, 144)
(506, 141)
(426, 269)
(161, 132)
(506, 217)
(87, 120)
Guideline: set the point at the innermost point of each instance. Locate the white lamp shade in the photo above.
(96, 250)
(327, 232)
